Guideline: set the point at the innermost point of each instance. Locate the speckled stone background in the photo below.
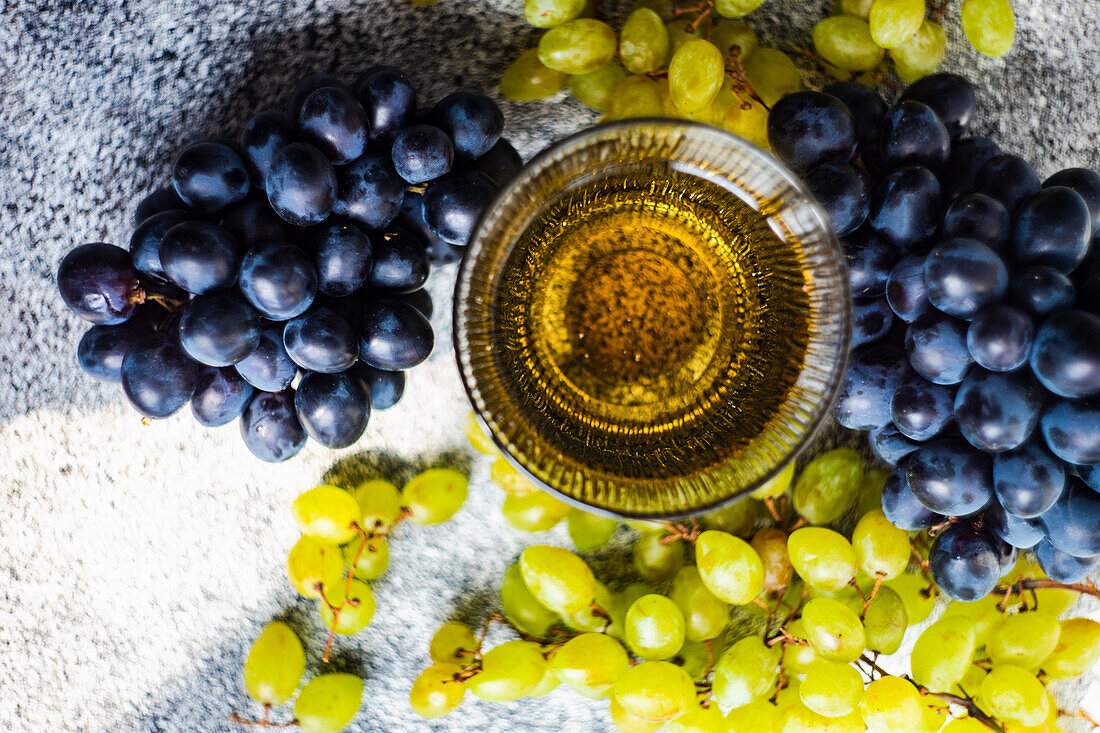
(138, 562)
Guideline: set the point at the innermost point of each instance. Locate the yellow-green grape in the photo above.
(885, 622)
(736, 8)
(372, 560)
(822, 557)
(678, 34)
(626, 722)
(550, 13)
(477, 437)
(654, 691)
(917, 593)
(654, 627)
(328, 702)
(738, 517)
(379, 504)
(833, 630)
(435, 692)
(520, 606)
(831, 689)
(989, 25)
(760, 716)
(508, 671)
(695, 75)
(971, 682)
(965, 725)
(1014, 694)
(933, 715)
(533, 512)
(789, 697)
(1053, 600)
(800, 719)
(326, 513)
(797, 658)
(880, 547)
(983, 614)
(643, 42)
(751, 123)
(942, 653)
(770, 544)
(591, 618)
(695, 659)
(922, 54)
(1024, 639)
(870, 490)
(312, 564)
(893, 22)
(590, 664)
(560, 580)
(729, 567)
(527, 79)
(505, 475)
(1077, 649)
(891, 704)
(654, 558)
(697, 719)
(548, 684)
(665, 9)
(727, 34)
(434, 496)
(636, 96)
(578, 46)
(596, 88)
(453, 642)
(858, 8)
(845, 42)
(705, 614)
(357, 611)
(274, 665)
(828, 485)
(848, 595)
(589, 531)
(620, 602)
(746, 672)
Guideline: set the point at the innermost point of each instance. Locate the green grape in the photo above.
(890, 704)
(560, 580)
(657, 560)
(695, 75)
(477, 437)
(508, 671)
(885, 622)
(798, 659)
(989, 25)
(433, 496)
(922, 54)
(274, 665)
(550, 13)
(736, 8)
(654, 627)
(789, 697)
(965, 725)
(312, 564)
(620, 602)
(1012, 693)
(833, 630)
(697, 719)
(983, 614)
(589, 531)
(678, 34)
(729, 567)
(828, 485)
(355, 614)
(548, 684)
(942, 653)
(521, 607)
(737, 517)
(453, 642)
(845, 42)
(590, 664)
(746, 672)
(511, 481)
(848, 596)
(800, 719)
(636, 96)
(533, 512)
(1077, 649)
(527, 80)
(590, 618)
(933, 715)
(626, 722)
(759, 716)
(643, 42)
(917, 593)
(326, 513)
(372, 560)
(379, 504)
(858, 8)
(725, 35)
(665, 9)
(705, 614)
(328, 702)
(880, 547)
(578, 46)
(1024, 639)
(778, 484)
(751, 123)
(893, 22)
(822, 557)
(654, 691)
(831, 689)
(435, 692)
(971, 681)
(770, 544)
(695, 659)
(870, 490)
(595, 89)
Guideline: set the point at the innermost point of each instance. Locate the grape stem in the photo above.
(879, 578)
(936, 529)
(264, 722)
(785, 637)
(337, 610)
(680, 531)
(735, 70)
(1034, 584)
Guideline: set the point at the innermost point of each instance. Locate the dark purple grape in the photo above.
(99, 283)
(269, 367)
(422, 153)
(873, 374)
(962, 276)
(1053, 228)
(389, 99)
(1085, 182)
(1066, 355)
(145, 242)
(253, 222)
(1071, 429)
(394, 336)
(921, 410)
(967, 158)
(412, 217)
(964, 562)
(937, 348)
(343, 256)
(1042, 291)
(400, 263)
(163, 199)
(902, 507)
(1028, 480)
(220, 396)
(453, 204)
(278, 279)
(949, 95)
(951, 477)
(809, 128)
(1000, 338)
(905, 288)
(865, 104)
(1008, 178)
(102, 348)
(501, 163)
(907, 209)
(157, 376)
(200, 257)
(320, 341)
(1061, 567)
(263, 136)
(871, 320)
(980, 217)
(1072, 524)
(1020, 533)
(386, 388)
(369, 191)
(911, 134)
(843, 192)
(301, 184)
(308, 86)
(219, 329)
(419, 299)
(998, 411)
(473, 121)
(889, 445)
(333, 121)
(270, 427)
(870, 259)
(333, 408)
(209, 176)
(1090, 475)
(1006, 553)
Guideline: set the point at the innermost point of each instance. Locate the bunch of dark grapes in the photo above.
(976, 340)
(278, 280)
